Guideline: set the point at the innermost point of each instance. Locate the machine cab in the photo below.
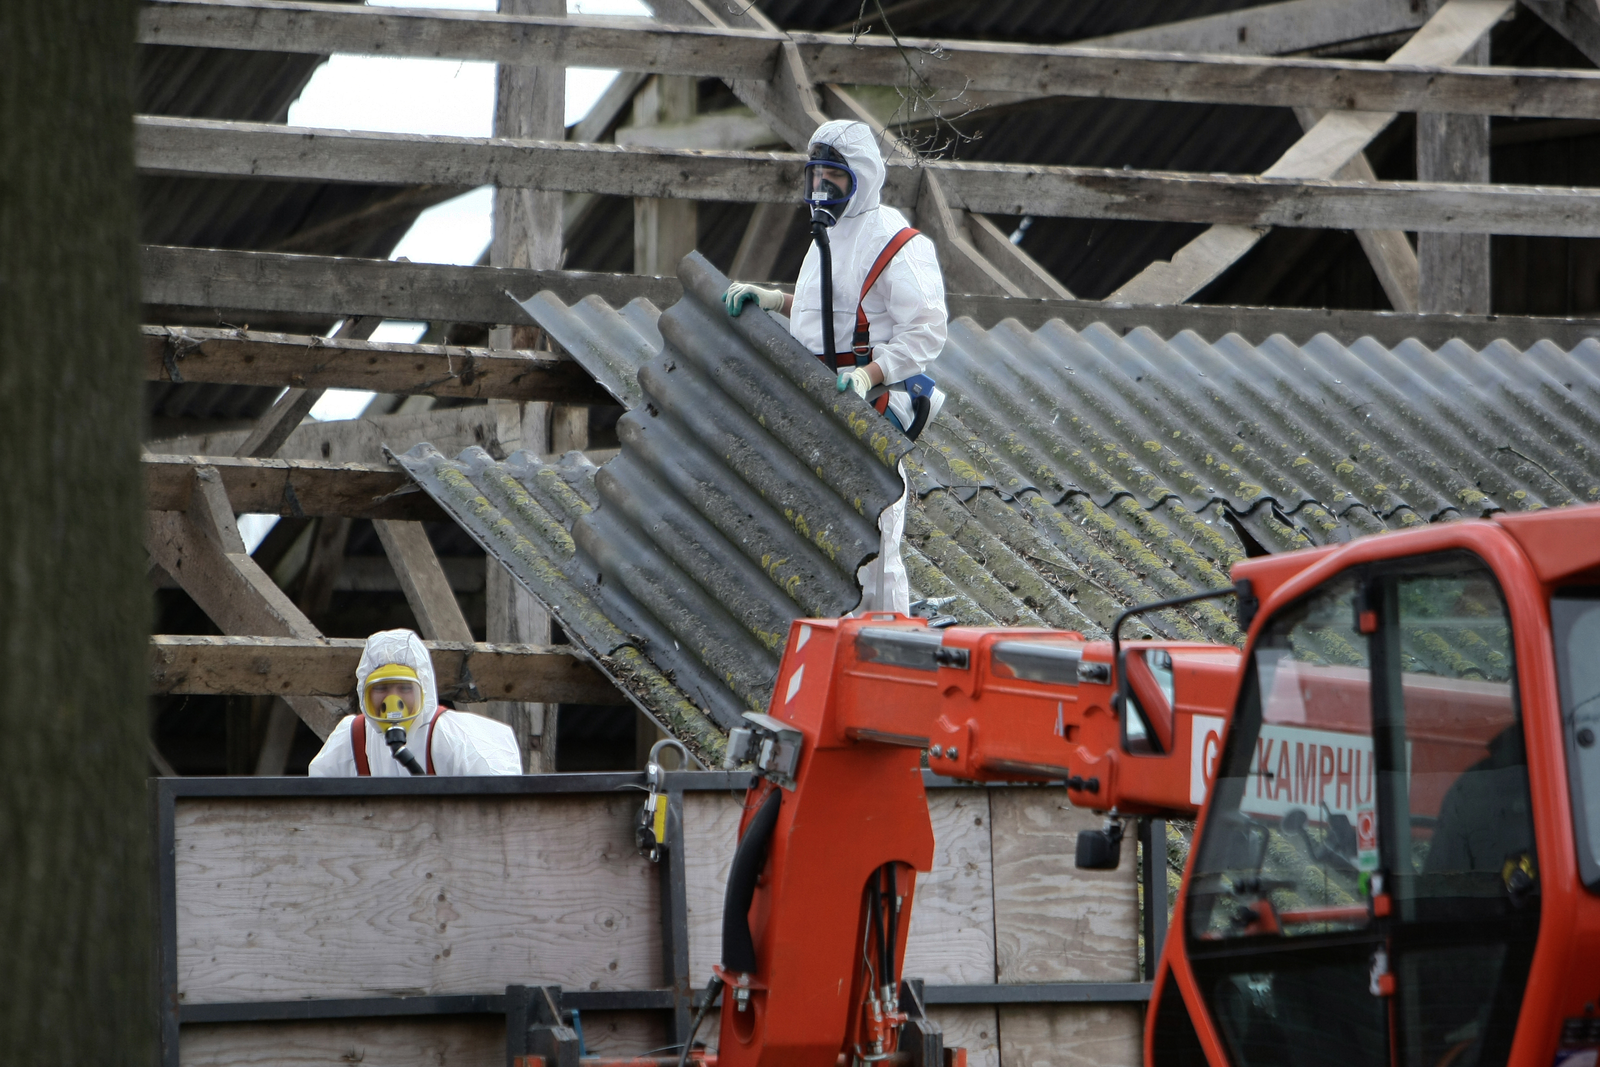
(1377, 877)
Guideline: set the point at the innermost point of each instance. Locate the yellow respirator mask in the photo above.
(392, 696)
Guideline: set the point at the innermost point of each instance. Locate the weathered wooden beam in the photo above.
(240, 357)
(1271, 29)
(290, 487)
(200, 548)
(739, 54)
(1453, 268)
(499, 427)
(1275, 199)
(260, 281)
(423, 580)
(203, 147)
(628, 44)
(326, 666)
(333, 285)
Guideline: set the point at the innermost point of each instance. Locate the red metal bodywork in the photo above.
(858, 799)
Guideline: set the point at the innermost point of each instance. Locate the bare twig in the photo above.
(920, 100)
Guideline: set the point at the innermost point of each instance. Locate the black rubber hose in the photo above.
(921, 406)
(875, 923)
(819, 234)
(699, 1016)
(893, 909)
(402, 754)
(738, 945)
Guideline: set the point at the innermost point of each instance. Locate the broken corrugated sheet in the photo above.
(1071, 474)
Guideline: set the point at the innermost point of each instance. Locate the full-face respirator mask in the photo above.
(391, 697)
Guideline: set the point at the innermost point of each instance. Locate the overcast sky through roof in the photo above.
(427, 96)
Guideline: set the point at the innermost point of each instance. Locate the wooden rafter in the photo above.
(299, 488)
(757, 55)
(1281, 197)
(326, 666)
(333, 285)
(240, 357)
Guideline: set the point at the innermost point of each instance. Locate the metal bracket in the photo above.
(534, 1027)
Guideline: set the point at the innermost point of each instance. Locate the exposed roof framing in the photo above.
(1334, 141)
(188, 278)
(737, 53)
(253, 150)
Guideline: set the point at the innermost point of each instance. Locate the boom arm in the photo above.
(839, 755)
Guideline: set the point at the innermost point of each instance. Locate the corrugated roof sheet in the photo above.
(1071, 474)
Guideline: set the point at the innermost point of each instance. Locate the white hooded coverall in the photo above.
(465, 743)
(905, 309)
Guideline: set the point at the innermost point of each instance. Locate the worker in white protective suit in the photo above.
(887, 297)
(402, 729)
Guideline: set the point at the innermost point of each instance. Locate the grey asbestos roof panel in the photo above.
(1072, 473)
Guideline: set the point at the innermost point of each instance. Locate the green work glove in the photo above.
(739, 292)
(855, 379)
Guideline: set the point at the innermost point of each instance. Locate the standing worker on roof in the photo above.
(889, 274)
(401, 717)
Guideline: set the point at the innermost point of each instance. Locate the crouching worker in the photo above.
(402, 729)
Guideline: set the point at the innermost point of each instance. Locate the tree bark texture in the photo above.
(75, 900)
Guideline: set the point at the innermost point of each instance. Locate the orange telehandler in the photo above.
(1397, 784)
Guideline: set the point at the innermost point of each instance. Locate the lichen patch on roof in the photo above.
(1071, 474)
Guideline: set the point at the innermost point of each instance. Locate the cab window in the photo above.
(1575, 618)
(1366, 879)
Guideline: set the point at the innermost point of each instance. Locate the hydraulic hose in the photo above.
(738, 945)
(712, 988)
(395, 738)
(819, 234)
(892, 910)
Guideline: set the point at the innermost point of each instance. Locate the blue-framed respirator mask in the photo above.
(829, 184)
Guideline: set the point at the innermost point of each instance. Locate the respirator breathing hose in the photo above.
(395, 738)
(819, 234)
(712, 988)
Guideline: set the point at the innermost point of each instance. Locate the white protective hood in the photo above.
(856, 143)
(406, 649)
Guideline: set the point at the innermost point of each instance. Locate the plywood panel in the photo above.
(710, 832)
(1072, 1035)
(971, 1028)
(952, 918)
(448, 1041)
(1053, 922)
(397, 896)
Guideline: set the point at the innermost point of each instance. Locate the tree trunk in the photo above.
(75, 900)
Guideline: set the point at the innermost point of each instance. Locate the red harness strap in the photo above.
(358, 744)
(433, 728)
(860, 347)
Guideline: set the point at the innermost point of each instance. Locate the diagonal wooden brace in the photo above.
(202, 550)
